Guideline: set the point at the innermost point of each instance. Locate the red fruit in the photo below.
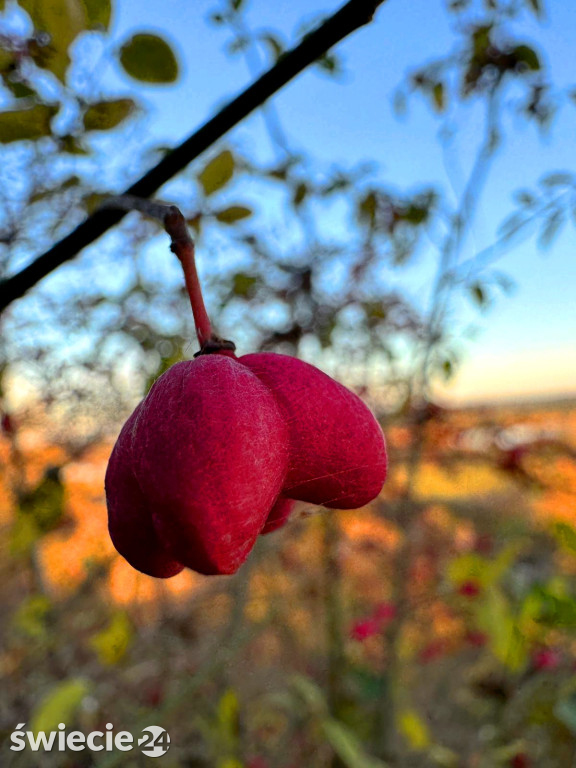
(200, 466)
(337, 450)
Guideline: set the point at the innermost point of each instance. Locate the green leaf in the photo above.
(557, 610)
(506, 641)
(63, 20)
(45, 503)
(23, 535)
(72, 145)
(243, 284)
(528, 56)
(20, 124)
(347, 746)
(149, 58)
(438, 96)
(478, 294)
(233, 214)
(7, 60)
(274, 44)
(300, 194)
(107, 114)
(217, 173)
(367, 208)
(111, 643)
(566, 535)
(98, 13)
(30, 618)
(414, 729)
(59, 705)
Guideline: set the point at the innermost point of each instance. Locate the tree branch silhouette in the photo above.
(353, 15)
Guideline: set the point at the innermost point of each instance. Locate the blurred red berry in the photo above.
(476, 638)
(364, 629)
(432, 651)
(469, 588)
(483, 544)
(520, 761)
(546, 658)
(385, 612)
(7, 424)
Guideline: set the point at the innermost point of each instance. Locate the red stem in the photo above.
(185, 253)
(183, 246)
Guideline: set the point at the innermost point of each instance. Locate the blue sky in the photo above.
(526, 342)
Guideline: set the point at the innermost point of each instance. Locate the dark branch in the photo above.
(353, 15)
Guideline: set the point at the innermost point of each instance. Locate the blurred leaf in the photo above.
(30, 618)
(63, 20)
(243, 284)
(233, 214)
(527, 56)
(478, 293)
(59, 705)
(107, 114)
(228, 711)
(149, 58)
(23, 535)
(300, 194)
(7, 60)
(274, 44)
(496, 619)
(551, 228)
(113, 641)
(438, 95)
(19, 89)
(557, 179)
(347, 746)
(312, 694)
(566, 535)
(31, 123)
(447, 368)
(45, 503)
(414, 729)
(98, 13)
(72, 145)
(556, 610)
(217, 173)
(367, 208)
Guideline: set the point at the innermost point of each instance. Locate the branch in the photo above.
(352, 16)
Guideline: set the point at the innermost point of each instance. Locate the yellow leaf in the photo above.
(233, 213)
(414, 729)
(62, 20)
(113, 641)
(107, 114)
(217, 173)
(59, 705)
(20, 124)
